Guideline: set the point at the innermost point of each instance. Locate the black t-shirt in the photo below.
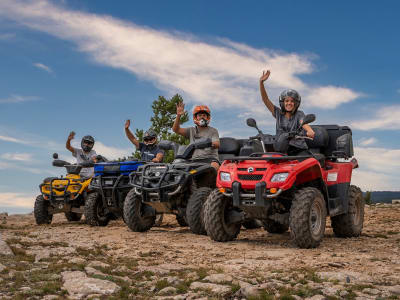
(147, 153)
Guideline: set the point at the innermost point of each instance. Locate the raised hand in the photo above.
(71, 135)
(265, 75)
(127, 123)
(180, 108)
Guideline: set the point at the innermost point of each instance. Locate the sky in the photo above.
(88, 66)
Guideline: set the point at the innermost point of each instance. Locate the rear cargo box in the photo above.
(116, 168)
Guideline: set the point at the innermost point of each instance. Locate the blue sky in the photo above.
(89, 65)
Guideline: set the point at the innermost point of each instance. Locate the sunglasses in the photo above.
(149, 139)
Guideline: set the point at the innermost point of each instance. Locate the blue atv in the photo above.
(110, 185)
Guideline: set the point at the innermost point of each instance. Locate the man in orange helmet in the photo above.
(201, 118)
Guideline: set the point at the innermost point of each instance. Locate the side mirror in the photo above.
(55, 155)
(251, 122)
(308, 119)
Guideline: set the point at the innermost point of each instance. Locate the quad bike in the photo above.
(110, 185)
(62, 194)
(288, 191)
(178, 188)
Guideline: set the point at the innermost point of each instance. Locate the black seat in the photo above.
(318, 144)
(228, 148)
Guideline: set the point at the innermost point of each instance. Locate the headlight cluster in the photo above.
(279, 177)
(225, 176)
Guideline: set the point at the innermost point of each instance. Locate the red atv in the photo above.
(287, 191)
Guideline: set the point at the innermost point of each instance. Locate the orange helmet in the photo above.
(202, 109)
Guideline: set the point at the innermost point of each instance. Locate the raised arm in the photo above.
(264, 95)
(68, 143)
(180, 110)
(130, 135)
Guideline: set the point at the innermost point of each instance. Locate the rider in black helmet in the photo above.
(288, 117)
(149, 149)
(84, 154)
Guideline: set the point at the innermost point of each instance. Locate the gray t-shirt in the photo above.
(284, 124)
(83, 157)
(194, 134)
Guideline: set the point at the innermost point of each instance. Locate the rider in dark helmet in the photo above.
(149, 149)
(83, 155)
(288, 117)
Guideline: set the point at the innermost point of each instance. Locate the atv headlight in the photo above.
(279, 177)
(225, 176)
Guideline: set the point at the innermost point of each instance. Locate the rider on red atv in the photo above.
(288, 118)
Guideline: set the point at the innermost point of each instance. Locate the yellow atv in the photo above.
(62, 194)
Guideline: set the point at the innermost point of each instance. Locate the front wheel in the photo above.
(41, 211)
(216, 212)
(95, 211)
(308, 218)
(134, 213)
(195, 210)
(350, 224)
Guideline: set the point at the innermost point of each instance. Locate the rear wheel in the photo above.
(41, 211)
(274, 227)
(72, 216)
(308, 218)
(195, 210)
(134, 213)
(95, 211)
(216, 211)
(350, 224)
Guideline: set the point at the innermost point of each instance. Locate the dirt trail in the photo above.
(169, 261)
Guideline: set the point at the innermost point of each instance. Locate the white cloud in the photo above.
(12, 139)
(18, 99)
(43, 67)
(25, 157)
(223, 73)
(387, 118)
(379, 168)
(17, 200)
(368, 142)
(108, 152)
(328, 97)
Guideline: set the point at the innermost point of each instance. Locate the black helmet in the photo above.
(150, 135)
(289, 93)
(89, 140)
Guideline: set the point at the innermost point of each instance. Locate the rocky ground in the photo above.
(73, 260)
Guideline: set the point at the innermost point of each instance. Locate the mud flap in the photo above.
(236, 194)
(260, 191)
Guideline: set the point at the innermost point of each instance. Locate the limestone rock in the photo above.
(218, 278)
(215, 288)
(78, 285)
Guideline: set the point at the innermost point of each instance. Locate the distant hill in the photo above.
(383, 196)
